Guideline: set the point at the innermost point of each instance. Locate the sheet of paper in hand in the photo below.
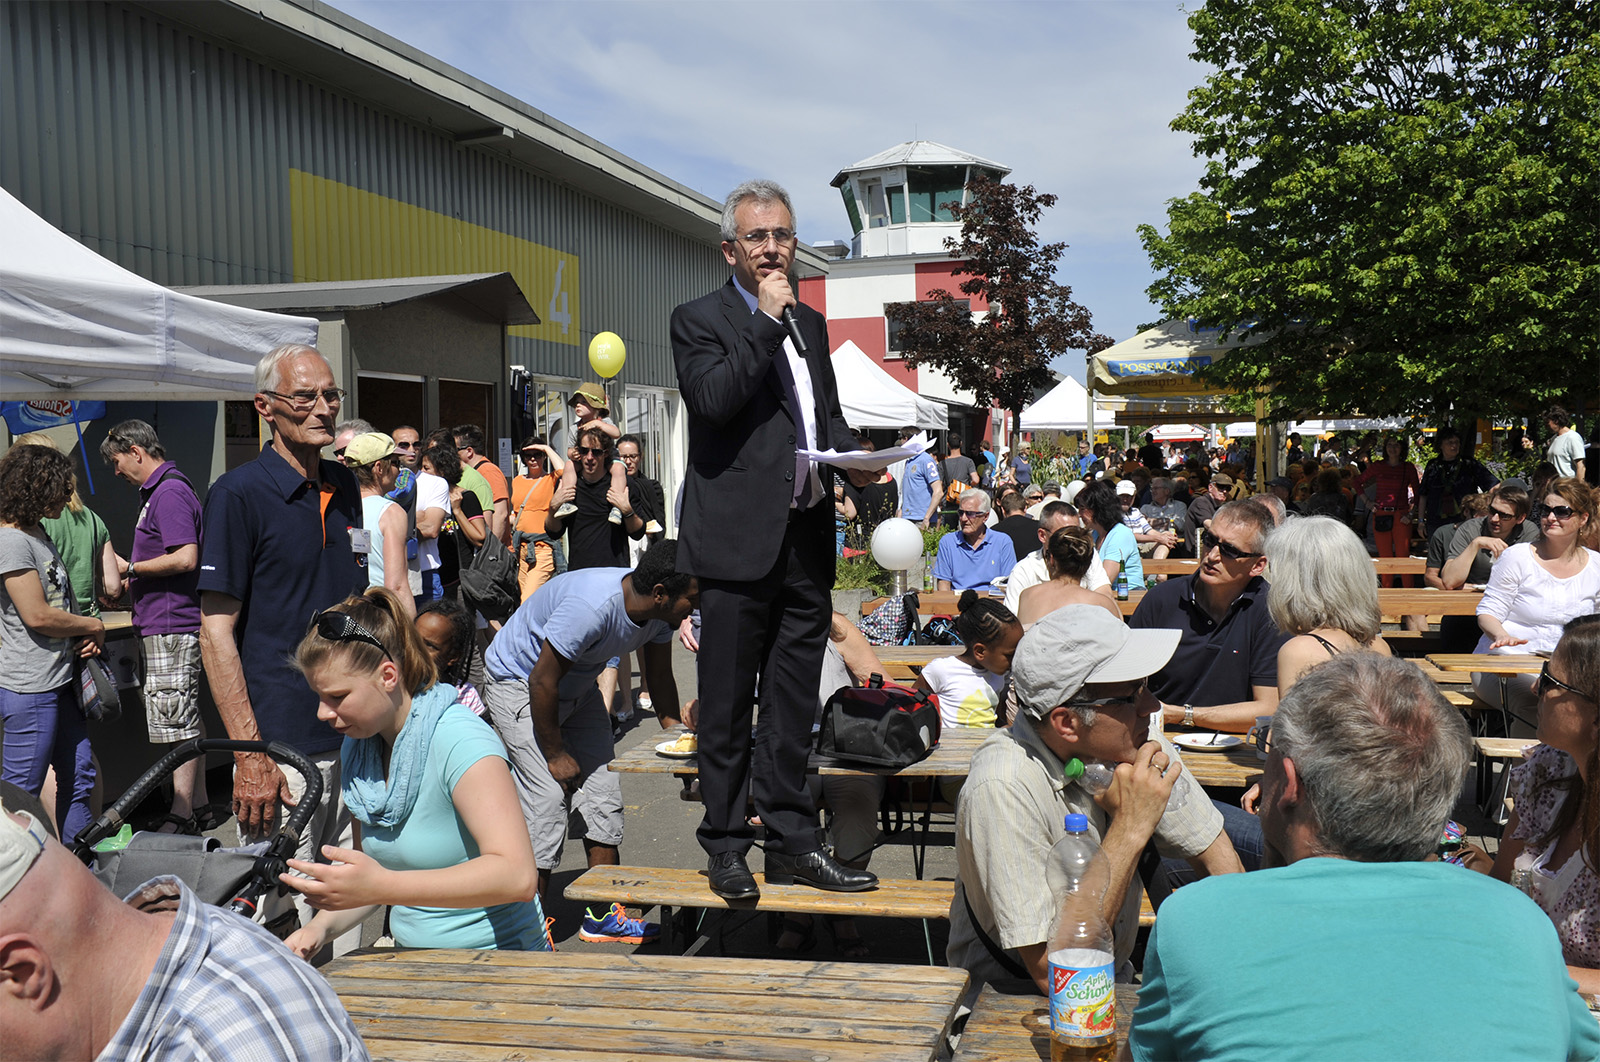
(870, 460)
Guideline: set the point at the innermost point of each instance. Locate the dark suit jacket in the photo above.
(735, 381)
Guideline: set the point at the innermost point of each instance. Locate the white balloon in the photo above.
(896, 544)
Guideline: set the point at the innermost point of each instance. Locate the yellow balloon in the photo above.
(606, 354)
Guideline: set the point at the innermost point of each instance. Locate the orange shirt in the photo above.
(497, 479)
(538, 506)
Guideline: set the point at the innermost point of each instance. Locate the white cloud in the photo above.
(1075, 97)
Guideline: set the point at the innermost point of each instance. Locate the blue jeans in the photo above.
(432, 588)
(48, 730)
(1242, 828)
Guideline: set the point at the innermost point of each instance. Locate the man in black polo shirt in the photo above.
(592, 540)
(1225, 670)
(1017, 525)
(281, 537)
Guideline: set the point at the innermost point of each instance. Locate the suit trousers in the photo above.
(775, 627)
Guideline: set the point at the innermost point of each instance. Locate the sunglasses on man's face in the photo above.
(405, 445)
(339, 627)
(591, 451)
(1208, 542)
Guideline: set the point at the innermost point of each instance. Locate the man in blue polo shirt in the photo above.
(974, 554)
(1225, 670)
(282, 533)
(918, 481)
(544, 700)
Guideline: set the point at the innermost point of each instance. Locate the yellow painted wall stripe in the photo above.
(345, 233)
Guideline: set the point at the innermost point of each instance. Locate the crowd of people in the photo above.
(461, 745)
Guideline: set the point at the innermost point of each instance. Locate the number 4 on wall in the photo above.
(557, 313)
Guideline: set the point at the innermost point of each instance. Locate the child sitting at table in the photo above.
(440, 832)
(970, 686)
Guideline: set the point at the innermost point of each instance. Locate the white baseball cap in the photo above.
(20, 847)
(1125, 486)
(1079, 644)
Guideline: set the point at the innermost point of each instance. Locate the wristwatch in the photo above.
(1188, 715)
(131, 572)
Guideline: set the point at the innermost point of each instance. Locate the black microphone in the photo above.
(794, 329)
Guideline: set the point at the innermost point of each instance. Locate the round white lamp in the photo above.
(896, 544)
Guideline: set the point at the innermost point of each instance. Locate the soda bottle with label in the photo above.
(1083, 1002)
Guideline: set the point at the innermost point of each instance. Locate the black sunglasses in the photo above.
(339, 627)
(1546, 677)
(1560, 512)
(592, 451)
(1208, 542)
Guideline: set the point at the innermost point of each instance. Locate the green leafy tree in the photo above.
(1003, 357)
(1403, 196)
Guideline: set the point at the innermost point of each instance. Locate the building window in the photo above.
(851, 208)
(932, 190)
(897, 205)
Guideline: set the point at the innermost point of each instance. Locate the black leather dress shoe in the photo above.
(731, 878)
(817, 869)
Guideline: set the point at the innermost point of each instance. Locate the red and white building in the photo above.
(895, 203)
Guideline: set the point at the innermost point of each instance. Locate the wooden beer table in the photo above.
(574, 1006)
(1006, 1027)
(1500, 665)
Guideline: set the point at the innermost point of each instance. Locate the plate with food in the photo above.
(679, 748)
(1204, 741)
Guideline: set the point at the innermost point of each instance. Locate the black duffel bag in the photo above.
(878, 725)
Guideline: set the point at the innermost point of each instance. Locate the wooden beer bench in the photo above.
(688, 890)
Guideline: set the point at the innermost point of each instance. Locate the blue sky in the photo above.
(1075, 97)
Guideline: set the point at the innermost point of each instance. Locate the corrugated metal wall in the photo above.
(171, 155)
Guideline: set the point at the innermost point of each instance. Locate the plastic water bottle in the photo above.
(1083, 1001)
(1096, 778)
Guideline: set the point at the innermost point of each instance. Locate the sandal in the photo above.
(184, 824)
(850, 945)
(806, 931)
(209, 816)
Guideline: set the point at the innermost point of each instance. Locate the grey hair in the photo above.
(762, 191)
(1320, 576)
(125, 436)
(1274, 505)
(1161, 483)
(1379, 752)
(1251, 513)
(974, 494)
(355, 426)
(268, 375)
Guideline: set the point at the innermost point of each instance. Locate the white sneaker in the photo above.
(565, 511)
(644, 703)
(615, 516)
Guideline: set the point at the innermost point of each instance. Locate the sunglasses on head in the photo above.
(1560, 512)
(1208, 542)
(339, 627)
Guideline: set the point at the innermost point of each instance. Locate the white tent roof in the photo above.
(1178, 432)
(871, 398)
(1064, 407)
(74, 325)
(1240, 429)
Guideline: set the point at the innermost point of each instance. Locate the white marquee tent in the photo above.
(74, 325)
(1064, 407)
(871, 398)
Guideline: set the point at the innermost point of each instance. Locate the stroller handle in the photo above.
(111, 820)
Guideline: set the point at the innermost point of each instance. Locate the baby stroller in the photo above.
(235, 878)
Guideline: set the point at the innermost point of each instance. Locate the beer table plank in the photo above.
(1489, 663)
(951, 758)
(1006, 1027)
(450, 1004)
(1235, 768)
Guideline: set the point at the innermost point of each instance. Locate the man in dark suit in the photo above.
(757, 532)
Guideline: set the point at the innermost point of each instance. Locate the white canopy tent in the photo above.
(871, 398)
(1065, 407)
(1178, 433)
(74, 325)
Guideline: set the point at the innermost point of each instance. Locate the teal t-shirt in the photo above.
(433, 837)
(1329, 958)
(1120, 546)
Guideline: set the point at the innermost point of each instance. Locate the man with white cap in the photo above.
(1079, 678)
(86, 974)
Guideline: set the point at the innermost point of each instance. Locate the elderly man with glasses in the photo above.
(1082, 694)
(974, 554)
(1225, 670)
(282, 535)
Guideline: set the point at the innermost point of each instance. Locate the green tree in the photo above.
(1004, 357)
(1403, 196)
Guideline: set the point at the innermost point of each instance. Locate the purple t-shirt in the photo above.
(170, 518)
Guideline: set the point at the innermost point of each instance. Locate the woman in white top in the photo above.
(371, 457)
(1538, 586)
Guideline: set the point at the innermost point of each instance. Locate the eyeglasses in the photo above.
(1500, 514)
(339, 627)
(1260, 737)
(301, 401)
(405, 445)
(591, 451)
(1560, 512)
(783, 237)
(1546, 677)
(973, 514)
(1209, 542)
(1107, 702)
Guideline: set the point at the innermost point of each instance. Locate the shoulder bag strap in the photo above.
(1010, 965)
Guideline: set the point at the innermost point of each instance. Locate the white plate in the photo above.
(1204, 742)
(665, 749)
